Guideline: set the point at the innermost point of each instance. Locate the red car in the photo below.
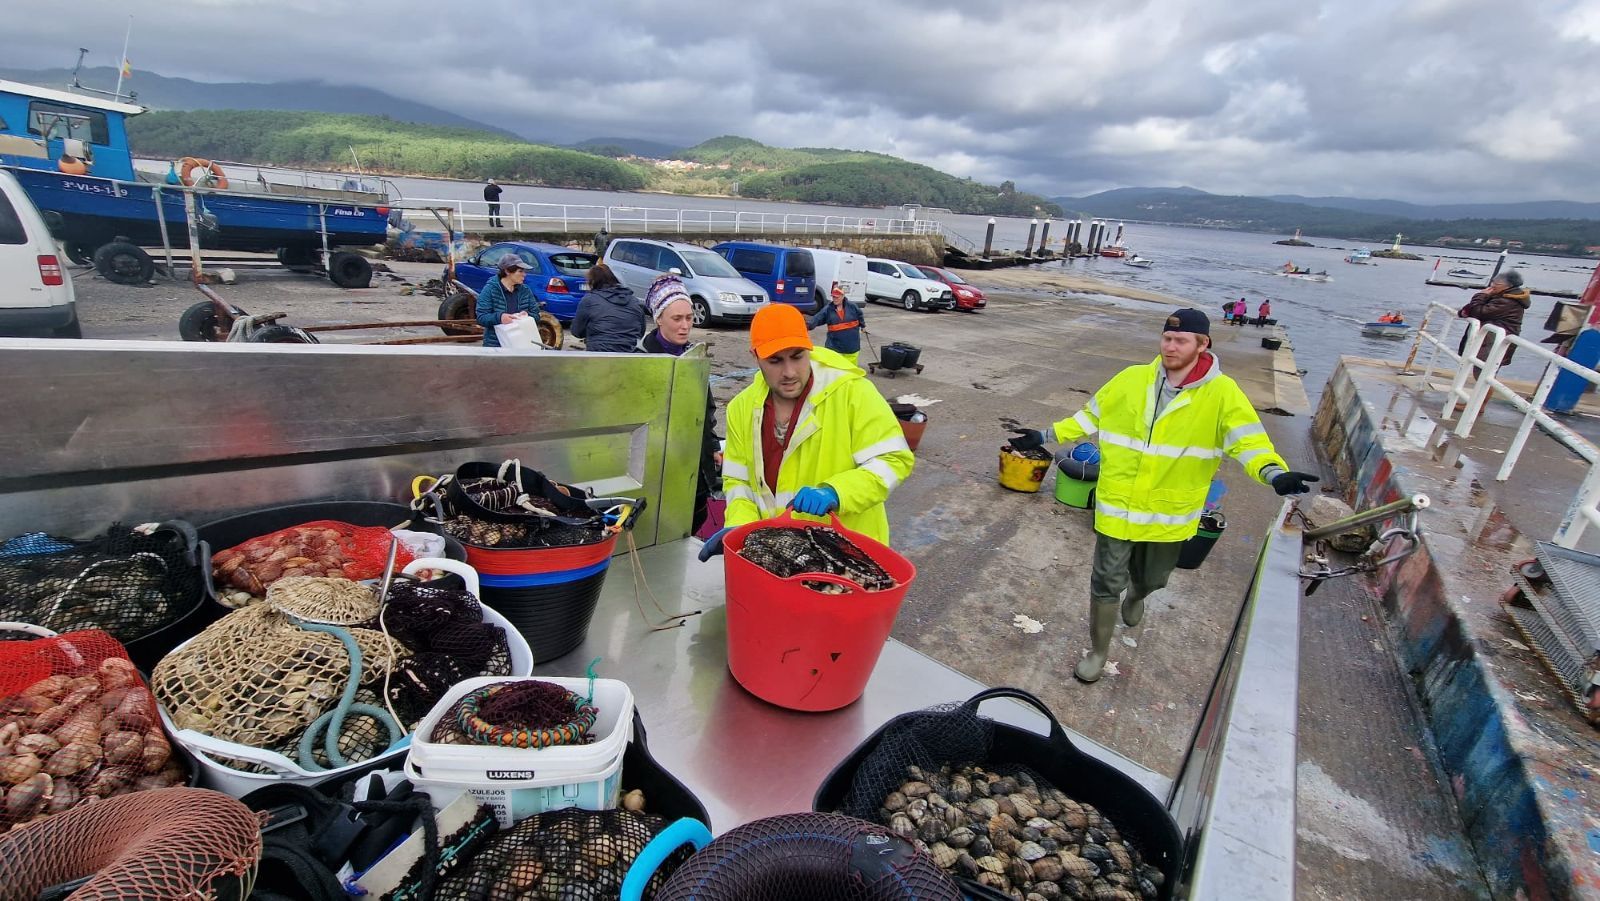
(968, 297)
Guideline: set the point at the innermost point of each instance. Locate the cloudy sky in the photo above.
(1424, 100)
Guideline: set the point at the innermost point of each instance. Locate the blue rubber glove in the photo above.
(713, 545)
(816, 501)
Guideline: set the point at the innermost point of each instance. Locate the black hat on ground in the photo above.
(1188, 320)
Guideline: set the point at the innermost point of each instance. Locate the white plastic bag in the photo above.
(521, 334)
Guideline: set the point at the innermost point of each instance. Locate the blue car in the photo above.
(555, 273)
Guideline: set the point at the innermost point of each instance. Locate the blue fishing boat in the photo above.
(70, 152)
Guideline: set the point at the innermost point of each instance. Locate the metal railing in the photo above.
(1482, 369)
(525, 216)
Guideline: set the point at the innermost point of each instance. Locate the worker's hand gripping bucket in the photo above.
(1022, 470)
(798, 648)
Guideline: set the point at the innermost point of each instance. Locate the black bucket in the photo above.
(893, 357)
(912, 353)
(1271, 343)
(1138, 815)
(1199, 545)
(553, 618)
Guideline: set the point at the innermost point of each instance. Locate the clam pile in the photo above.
(1018, 836)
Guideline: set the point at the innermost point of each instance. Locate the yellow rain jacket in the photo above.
(1155, 472)
(846, 437)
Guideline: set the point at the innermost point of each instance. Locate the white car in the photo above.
(848, 269)
(904, 284)
(35, 288)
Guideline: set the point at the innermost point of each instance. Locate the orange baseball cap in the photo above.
(778, 327)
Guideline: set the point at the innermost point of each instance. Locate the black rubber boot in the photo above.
(1102, 623)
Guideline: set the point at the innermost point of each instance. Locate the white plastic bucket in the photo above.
(479, 764)
(517, 799)
(214, 775)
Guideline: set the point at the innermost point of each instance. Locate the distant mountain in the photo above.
(164, 93)
(1190, 207)
(1532, 209)
(617, 147)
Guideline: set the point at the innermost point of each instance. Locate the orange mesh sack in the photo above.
(76, 724)
(243, 573)
(173, 843)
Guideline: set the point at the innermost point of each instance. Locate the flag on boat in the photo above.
(127, 68)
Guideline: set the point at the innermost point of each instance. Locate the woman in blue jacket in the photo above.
(505, 296)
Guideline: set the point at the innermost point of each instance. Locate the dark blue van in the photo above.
(787, 273)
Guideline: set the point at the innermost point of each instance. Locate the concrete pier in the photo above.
(1522, 763)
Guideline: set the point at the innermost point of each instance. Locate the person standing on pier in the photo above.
(846, 324)
(1502, 304)
(1164, 427)
(809, 433)
(1263, 313)
(491, 193)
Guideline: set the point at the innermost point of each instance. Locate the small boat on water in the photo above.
(1114, 251)
(1391, 330)
(1362, 257)
(1465, 273)
(1139, 262)
(1289, 270)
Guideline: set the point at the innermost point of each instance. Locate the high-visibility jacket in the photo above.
(846, 437)
(1155, 471)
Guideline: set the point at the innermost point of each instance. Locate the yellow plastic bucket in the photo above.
(1021, 473)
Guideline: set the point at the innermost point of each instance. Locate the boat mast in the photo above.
(122, 64)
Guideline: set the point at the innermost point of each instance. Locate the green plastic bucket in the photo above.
(1074, 492)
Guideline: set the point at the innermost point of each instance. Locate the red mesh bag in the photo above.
(77, 724)
(321, 548)
(174, 843)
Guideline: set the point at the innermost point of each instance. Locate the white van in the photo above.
(848, 269)
(35, 287)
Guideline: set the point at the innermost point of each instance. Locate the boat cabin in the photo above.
(60, 131)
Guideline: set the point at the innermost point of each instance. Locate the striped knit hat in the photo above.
(664, 290)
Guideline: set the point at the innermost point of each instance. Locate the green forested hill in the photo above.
(271, 137)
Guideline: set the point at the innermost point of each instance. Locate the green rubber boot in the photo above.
(1132, 609)
(1102, 622)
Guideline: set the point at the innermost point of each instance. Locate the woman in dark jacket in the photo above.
(669, 305)
(609, 318)
(1502, 304)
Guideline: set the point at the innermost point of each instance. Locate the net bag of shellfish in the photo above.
(787, 552)
(173, 843)
(321, 548)
(519, 714)
(449, 642)
(264, 675)
(77, 724)
(562, 855)
(128, 582)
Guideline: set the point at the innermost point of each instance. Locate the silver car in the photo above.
(717, 290)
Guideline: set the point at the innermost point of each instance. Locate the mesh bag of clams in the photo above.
(1002, 828)
(787, 552)
(77, 724)
(171, 843)
(127, 582)
(562, 855)
(502, 509)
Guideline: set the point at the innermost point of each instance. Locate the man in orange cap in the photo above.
(812, 433)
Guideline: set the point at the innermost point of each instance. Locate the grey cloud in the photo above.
(1429, 100)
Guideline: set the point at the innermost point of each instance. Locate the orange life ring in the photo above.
(190, 163)
(72, 165)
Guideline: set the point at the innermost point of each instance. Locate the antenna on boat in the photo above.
(82, 52)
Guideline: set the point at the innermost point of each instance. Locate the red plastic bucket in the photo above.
(798, 648)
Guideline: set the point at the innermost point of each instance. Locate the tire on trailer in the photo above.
(124, 263)
(457, 305)
(80, 253)
(199, 323)
(281, 334)
(299, 257)
(350, 270)
(550, 331)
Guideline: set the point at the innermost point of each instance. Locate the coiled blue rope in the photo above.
(333, 720)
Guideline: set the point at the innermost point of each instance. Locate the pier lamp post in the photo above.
(988, 239)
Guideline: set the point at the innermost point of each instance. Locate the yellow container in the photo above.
(1021, 473)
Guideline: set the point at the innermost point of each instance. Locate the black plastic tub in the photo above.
(1138, 815)
(553, 618)
(892, 357)
(910, 352)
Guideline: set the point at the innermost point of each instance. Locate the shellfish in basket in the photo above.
(792, 552)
